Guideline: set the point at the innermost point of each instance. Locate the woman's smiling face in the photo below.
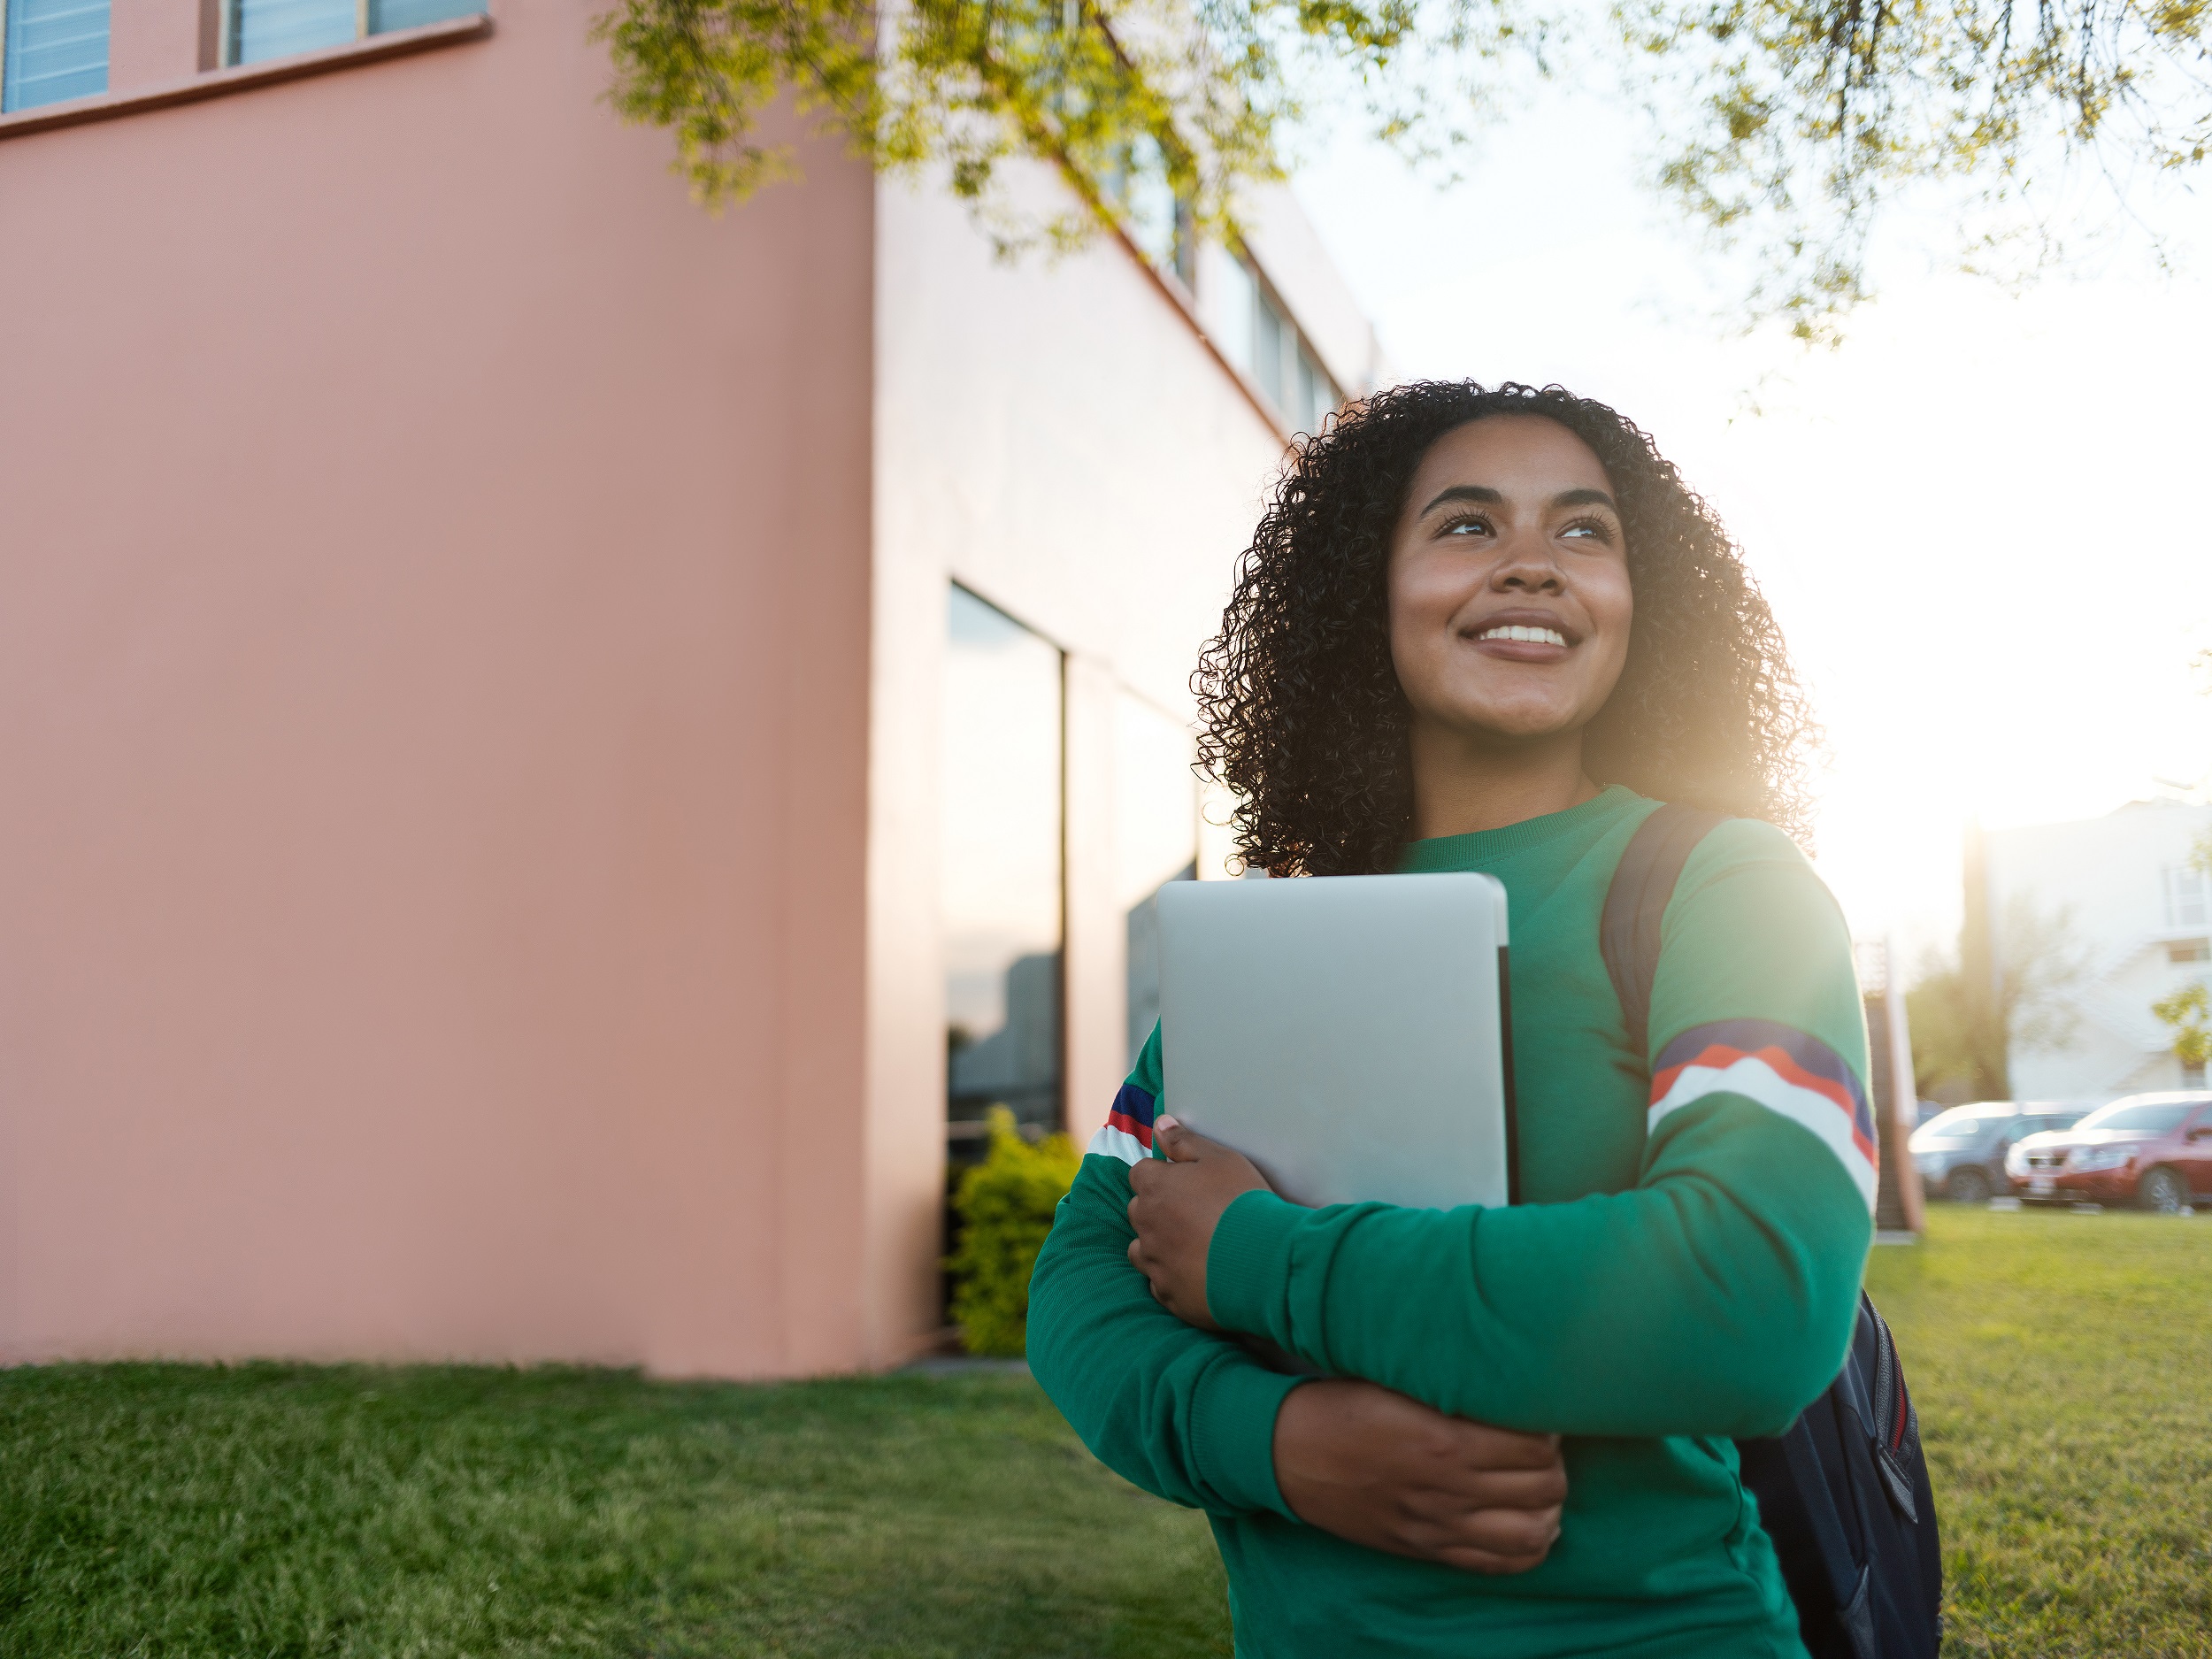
(1509, 602)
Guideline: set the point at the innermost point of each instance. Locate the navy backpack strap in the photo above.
(1643, 881)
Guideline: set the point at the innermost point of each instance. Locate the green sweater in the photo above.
(1685, 1268)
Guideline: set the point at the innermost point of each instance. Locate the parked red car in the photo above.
(2154, 1150)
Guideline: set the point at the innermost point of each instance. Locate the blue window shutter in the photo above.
(56, 50)
(386, 15)
(278, 28)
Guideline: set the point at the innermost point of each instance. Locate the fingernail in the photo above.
(1167, 1121)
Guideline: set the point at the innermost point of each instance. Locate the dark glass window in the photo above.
(1317, 395)
(1157, 221)
(1269, 331)
(1155, 839)
(1281, 360)
(1000, 882)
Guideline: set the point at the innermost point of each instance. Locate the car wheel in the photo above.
(1969, 1183)
(2162, 1190)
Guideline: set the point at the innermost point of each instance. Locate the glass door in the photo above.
(1001, 882)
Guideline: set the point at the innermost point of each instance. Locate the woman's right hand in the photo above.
(1378, 1469)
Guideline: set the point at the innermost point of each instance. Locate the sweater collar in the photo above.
(1480, 848)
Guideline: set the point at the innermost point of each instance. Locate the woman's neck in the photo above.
(1462, 783)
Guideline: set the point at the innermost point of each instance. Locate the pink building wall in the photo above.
(435, 637)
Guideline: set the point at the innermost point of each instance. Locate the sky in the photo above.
(1978, 520)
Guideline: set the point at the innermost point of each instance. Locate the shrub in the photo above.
(1005, 1205)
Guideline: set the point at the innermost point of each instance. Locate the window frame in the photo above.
(2187, 887)
(1298, 362)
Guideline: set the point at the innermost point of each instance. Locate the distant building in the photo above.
(2122, 898)
(560, 747)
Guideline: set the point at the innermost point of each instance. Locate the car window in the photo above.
(2144, 1118)
(1962, 1123)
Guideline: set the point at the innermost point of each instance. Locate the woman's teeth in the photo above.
(1533, 636)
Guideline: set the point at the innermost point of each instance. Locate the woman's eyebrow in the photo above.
(1488, 496)
(1465, 492)
(1583, 498)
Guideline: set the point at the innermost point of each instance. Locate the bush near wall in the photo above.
(1005, 1205)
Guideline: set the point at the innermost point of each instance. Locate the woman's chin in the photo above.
(1514, 725)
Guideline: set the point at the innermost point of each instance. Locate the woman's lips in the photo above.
(1533, 633)
(1496, 642)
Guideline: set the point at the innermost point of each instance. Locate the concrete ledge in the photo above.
(965, 1366)
(220, 82)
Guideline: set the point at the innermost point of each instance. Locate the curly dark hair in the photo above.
(1304, 718)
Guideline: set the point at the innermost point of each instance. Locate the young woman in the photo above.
(1490, 630)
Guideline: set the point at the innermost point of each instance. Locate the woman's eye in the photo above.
(1590, 528)
(1468, 527)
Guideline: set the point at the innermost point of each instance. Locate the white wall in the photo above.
(2107, 875)
(1056, 437)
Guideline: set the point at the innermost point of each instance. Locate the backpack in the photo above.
(1844, 1493)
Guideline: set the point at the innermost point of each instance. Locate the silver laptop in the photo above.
(1346, 1033)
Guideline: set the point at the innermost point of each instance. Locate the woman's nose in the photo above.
(1526, 564)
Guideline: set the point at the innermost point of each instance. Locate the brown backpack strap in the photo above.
(1643, 881)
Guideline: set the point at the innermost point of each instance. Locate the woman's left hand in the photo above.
(1178, 1202)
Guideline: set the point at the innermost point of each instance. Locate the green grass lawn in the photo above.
(270, 1510)
(2062, 1368)
(2062, 1364)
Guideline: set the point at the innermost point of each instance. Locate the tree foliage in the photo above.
(2188, 1013)
(1812, 113)
(1965, 1041)
(1787, 124)
(1148, 97)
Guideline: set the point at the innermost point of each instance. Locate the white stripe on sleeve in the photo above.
(1757, 1081)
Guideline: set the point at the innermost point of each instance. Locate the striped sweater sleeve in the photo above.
(1790, 1072)
(1716, 1295)
(1188, 1414)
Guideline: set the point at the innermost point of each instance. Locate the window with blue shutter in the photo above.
(261, 29)
(52, 49)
